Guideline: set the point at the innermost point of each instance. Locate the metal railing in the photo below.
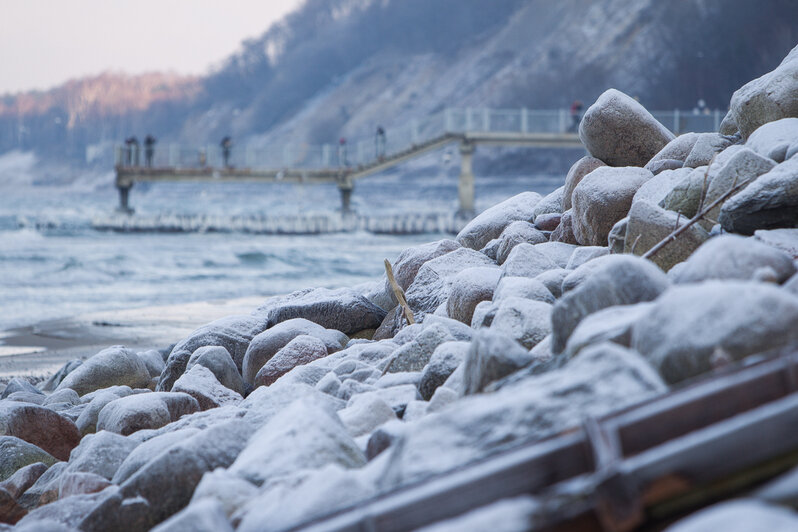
(370, 150)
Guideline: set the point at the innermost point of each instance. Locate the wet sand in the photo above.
(38, 351)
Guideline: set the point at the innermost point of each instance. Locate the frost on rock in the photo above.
(490, 223)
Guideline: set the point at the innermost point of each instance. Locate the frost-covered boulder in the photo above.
(80, 483)
(50, 384)
(612, 324)
(165, 484)
(517, 233)
(129, 414)
(613, 280)
(115, 365)
(87, 421)
(658, 187)
(220, 363)
(601, 199)
(776, 140)
(19, 385)
(491, 356)
(553, 279)
(523, 320)
(576, 173)
(365, 413)
(546, 222)
(64, 514)
(770, 202)
(690, 326)
(469, 287)
(550, 204)
(412, 259)
(266, 344)
(616, 240)
(228, 490)
(685, 195)
(649, 224)
(302, 436)
(768, 98)
(559, 252)
(484, 314)
(343, 309)
(620, 132)
(676, 150)
(585, 254)
(202, 385)
(434, 280)
(735, 257)
(153, 360)
(522, 287)
(601, 379)
(101, 454)
(784, 239)
(232, 332)
(16, 453)
(565, 230)
(40, 426)
(526, 260)
(490, 223)
(148, 450)
(301, 350)
(446, 358)
(706, 147)
(414, 355)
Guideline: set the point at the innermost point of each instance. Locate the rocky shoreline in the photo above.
(660, 260)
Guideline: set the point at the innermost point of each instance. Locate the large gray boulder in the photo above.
(101, 454)
(148, 450)
(613, 280)
(775, 140)
(266, 344)
(153, 410)
(490, 223)
(202, 385)
(612, 324)
(735, 257)
(517, 233)
(526, 260)
(115, 365)
(550, 204)
(87, 421)
(52, 432)
(676, 150)
(620, 132)
(783, 239)
(343, 309)
(602, 198)
(524, 287)
(301, 350)
(218, 360)
(685, 195)
(576, 173)
(656, 189)
(706, 147)
(409, 261)
(469, 288)
(445, 359)
(770, 202)
(768, 98)
(491, 356)
(689, 327)
(232, 332)
(415, 354)
(523, 320)
(16, 453)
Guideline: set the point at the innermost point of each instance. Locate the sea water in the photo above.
(54, 264)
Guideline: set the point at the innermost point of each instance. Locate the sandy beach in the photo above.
(39, 350)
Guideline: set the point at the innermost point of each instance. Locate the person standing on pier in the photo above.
(134, 148)
(379, 143)
(129, 151)
(149, 149)
(226, 144)
(576, 110)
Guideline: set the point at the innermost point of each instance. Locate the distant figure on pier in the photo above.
(129, 151)
(226, 144)
(134, 148)
(149, 149)
(379, 143)
(576, 110)
(342, 152)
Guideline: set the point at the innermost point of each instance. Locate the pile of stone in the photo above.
(543, 310)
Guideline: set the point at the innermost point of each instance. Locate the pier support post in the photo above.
(465, 186)
(124, 191)
(345, 187)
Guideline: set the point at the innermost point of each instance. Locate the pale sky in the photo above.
(46, 42)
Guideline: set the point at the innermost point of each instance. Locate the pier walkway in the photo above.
(346, 162)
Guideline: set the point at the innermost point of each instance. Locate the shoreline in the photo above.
(36, 351)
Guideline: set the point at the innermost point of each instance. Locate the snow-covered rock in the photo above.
(469, 287)
(115, 365)
(777, 140)
(524, 320)
(220, 363)
(575, 174)
(517, 233)
(490, 223)
(202, 385)
(152, 410)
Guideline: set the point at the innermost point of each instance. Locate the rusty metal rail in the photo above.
(708, 439)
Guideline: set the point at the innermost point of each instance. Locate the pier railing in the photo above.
(365, 151)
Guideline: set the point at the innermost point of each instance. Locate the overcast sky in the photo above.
(46, 42)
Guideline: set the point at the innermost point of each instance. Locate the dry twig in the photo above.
(399, 293)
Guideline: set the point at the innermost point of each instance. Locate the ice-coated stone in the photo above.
(207, 516)
(602, 198)
(101, 453)
(550, 204)
(27, 397)
(302, 436)
(517, 233)
(768, 98)
(603, 378)
(51, 383)
(74, 483)
(407, 264)
(706, 147)
(585, 254)
(490, 223)
(612, 324)
(165, 484)
(446, 358)
(460, 331)
(266, 344)
(616, 240)
(153, 360)
(87, 421)
(559, 252)
(224, 488)
(414, 355)
(685, 196)
(64, 395)
(734, 257)
(45, 489)
(552, 280)
(658, 187)
(620, 132)
(132, 413)
(544, 222)
(434, 279)
(739, 515)
(491, 249)
(676, 150)
(16, 454)
(484, 314)
(522, 287)
(148, 450)
(775, 140)
(397, 397)
(365, 413)
(613, 280)
(343, 309)
(202, 385)
(40, 426)
(115, 365)
(518, 514)
(649, 224)
(491, 356)
(218, 360)
(234, 333)
(23, 478)
(524, 320)
(301, 350)
(526, 260)
(783, 239)
(468, 288)
(565, 230)
(770, 202)
(689, 325)
(63, 514)
(576, 173)
(19, 385)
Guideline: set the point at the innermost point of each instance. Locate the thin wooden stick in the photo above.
(399, 293)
